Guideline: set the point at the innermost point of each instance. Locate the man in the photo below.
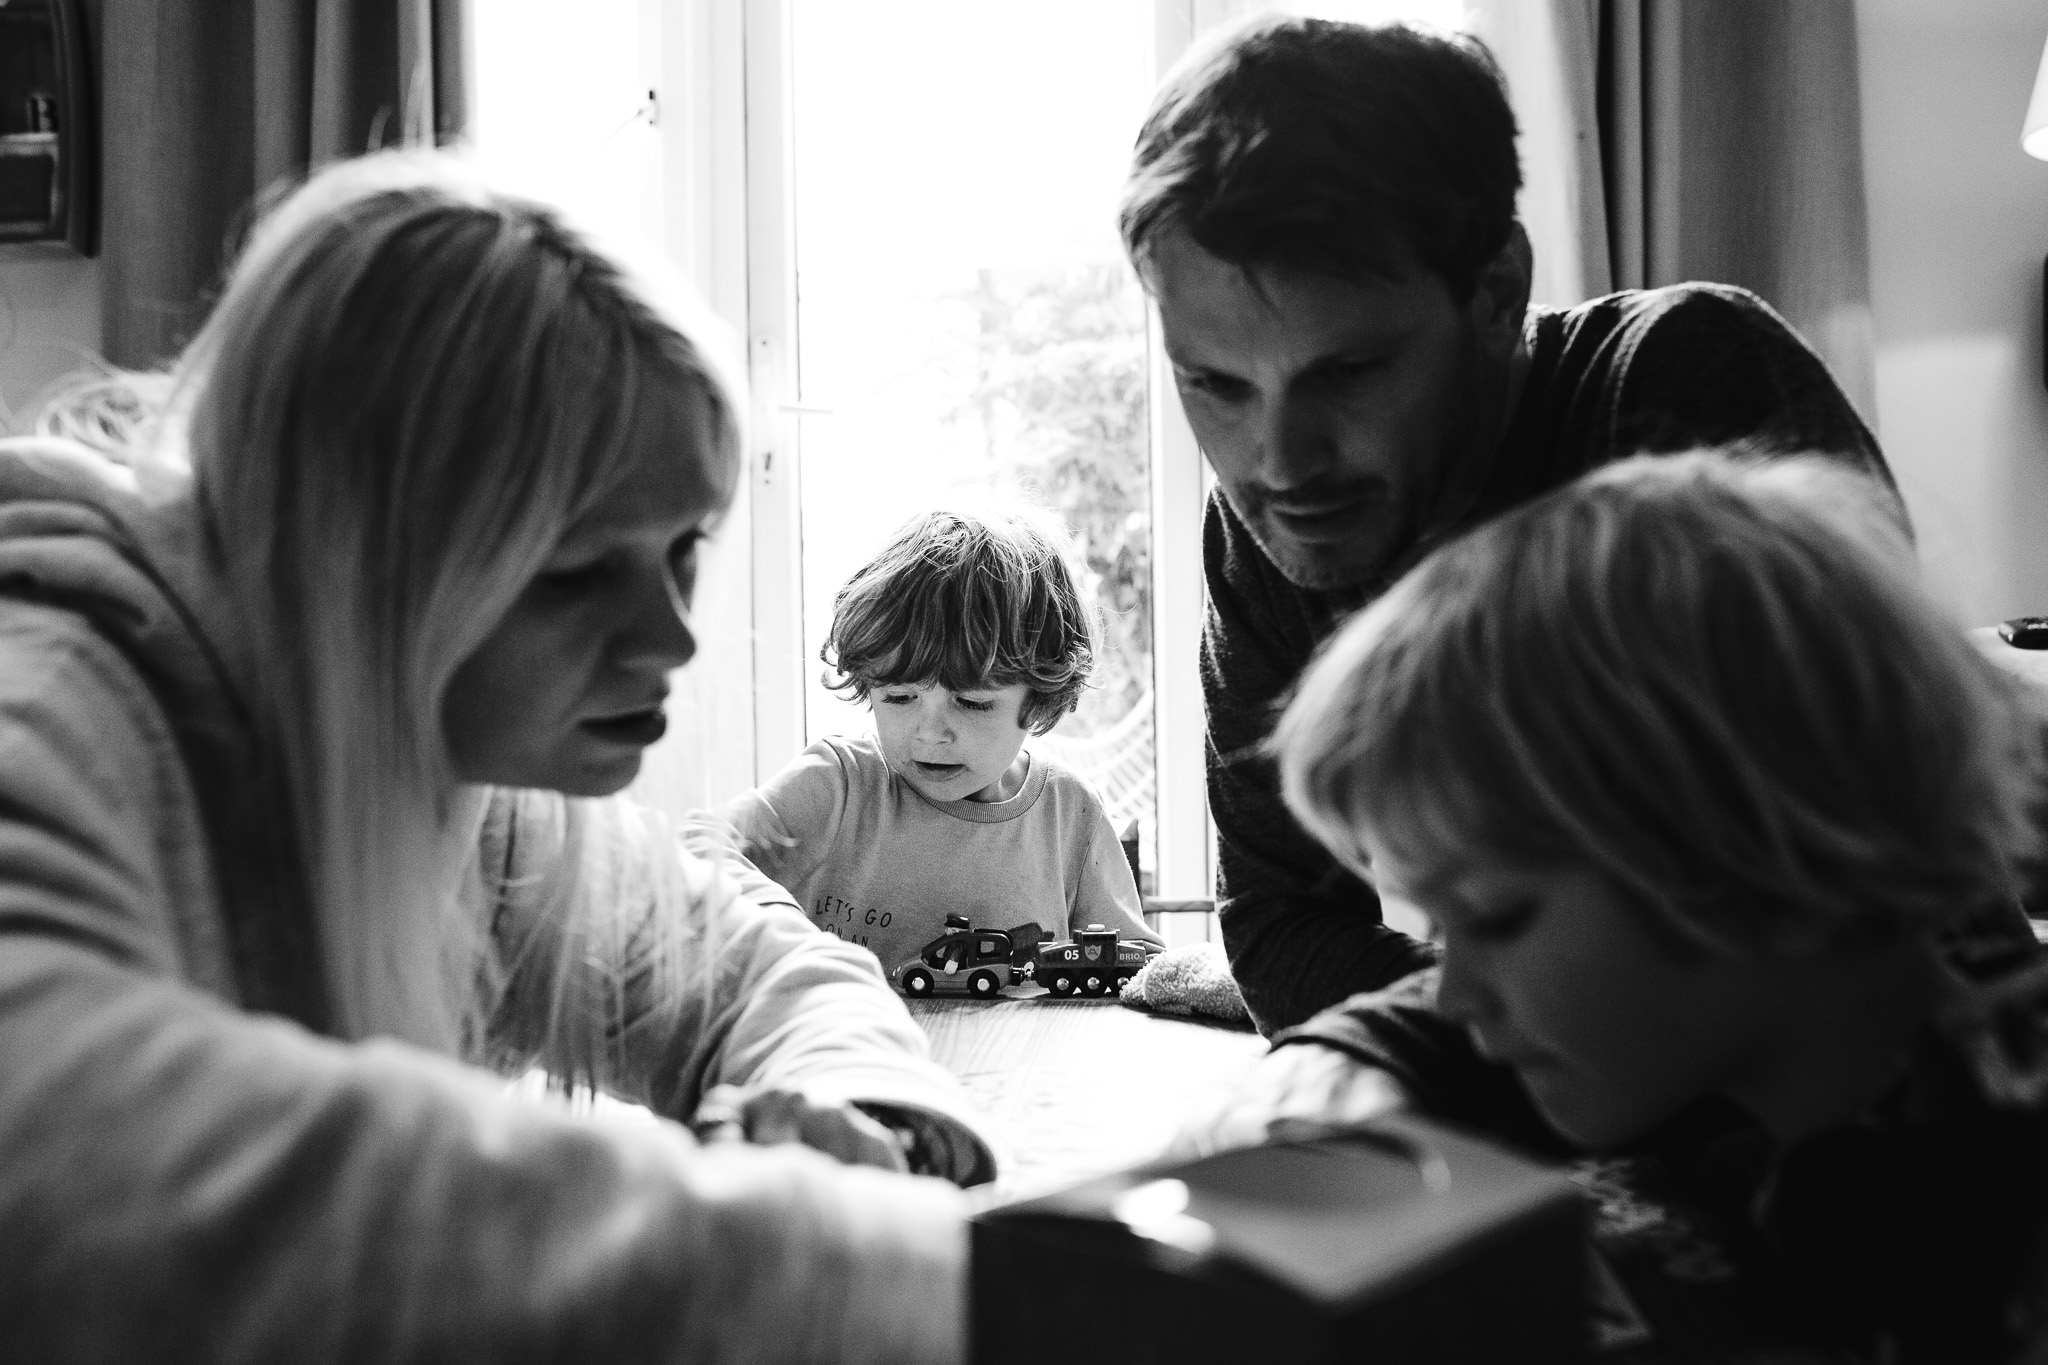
(1324, 213)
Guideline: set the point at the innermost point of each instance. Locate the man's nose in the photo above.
(1295, 441)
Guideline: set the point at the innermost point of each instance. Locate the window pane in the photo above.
(967, 324)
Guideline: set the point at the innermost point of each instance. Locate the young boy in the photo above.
(1720, 824)
(965, 634)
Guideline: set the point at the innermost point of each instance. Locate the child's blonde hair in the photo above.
(967, 601)
(1717, 681)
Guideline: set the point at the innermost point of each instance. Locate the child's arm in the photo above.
(1104, 891)
(787, 824)
(691, 971)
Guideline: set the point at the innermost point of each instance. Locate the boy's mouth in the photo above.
(940, 771)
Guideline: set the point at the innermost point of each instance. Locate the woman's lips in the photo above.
(636, 728)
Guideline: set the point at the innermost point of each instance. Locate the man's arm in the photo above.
(1301, 931)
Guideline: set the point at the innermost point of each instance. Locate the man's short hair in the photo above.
(1339, 149)
(1716, 682)
(967, 602)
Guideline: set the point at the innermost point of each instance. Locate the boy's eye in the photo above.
(1497, 924)
(898, 698)
(975, 704)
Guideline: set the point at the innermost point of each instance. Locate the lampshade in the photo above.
(2035, 137)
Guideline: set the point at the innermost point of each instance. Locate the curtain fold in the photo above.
(1732, 142)
(1673, 140)
(208, 102)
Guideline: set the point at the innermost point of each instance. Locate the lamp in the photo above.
(2034, 141)
(2034, 137)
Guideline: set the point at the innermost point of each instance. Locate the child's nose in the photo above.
(933, 725)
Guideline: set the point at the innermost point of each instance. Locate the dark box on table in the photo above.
(1398, 1243)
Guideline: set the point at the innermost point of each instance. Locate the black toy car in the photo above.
(980, 962)
(1094, 962)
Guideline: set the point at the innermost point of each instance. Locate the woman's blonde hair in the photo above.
(1715, 680)
(411, 386)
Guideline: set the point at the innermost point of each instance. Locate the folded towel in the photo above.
(1191, 979)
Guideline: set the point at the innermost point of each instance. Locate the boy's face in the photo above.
(1608, 1024)
(952, 746)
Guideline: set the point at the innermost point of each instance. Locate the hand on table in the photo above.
(1297, 1091)
(732, 1113)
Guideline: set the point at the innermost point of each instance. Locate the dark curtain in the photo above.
(208, 102)
(1731, 145)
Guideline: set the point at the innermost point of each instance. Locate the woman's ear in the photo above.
(1500, 295)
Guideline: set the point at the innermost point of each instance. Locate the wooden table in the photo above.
(1078, 1087)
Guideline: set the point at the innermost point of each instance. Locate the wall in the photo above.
(49, 322)
(1958, 229)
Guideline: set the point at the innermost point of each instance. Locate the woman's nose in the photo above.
(657, 631)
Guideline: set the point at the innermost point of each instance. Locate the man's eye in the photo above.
(1348, 368)
(1218, 386)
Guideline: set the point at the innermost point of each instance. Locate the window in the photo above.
(966, 325)
(907, 209)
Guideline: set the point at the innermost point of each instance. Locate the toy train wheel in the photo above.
(1093, 984)
(1123, 979)
(917, 981)
(1060, 984)
(983, 985)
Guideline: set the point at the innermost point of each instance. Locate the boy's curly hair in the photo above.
(966, 602)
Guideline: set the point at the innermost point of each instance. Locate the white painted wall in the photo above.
(49, 322)
(1958, 229)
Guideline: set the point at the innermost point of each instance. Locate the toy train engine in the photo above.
(979, 961)
(1095, 962)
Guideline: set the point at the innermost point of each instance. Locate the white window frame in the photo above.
(727, 219)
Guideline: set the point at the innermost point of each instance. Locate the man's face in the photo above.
(1342, 417)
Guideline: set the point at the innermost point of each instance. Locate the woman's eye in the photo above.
(575, 577)
(682, 563)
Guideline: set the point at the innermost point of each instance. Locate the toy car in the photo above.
(1095, 962)
(980, 962)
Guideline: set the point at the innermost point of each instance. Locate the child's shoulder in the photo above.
(1068, 786)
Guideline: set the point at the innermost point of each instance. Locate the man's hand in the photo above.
(732, 1113)
(1297, 1091)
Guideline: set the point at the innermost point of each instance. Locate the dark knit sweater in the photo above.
(1657, 371)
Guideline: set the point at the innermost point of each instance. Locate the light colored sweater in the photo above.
(875, 862)
(192, 1172)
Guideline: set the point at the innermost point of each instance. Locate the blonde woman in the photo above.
(313, 678)
(1719, 824)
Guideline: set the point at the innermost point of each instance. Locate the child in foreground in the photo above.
(964, 635)
(1718, 822)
